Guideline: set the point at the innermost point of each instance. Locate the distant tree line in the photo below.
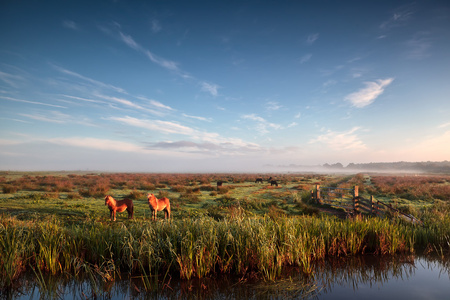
(427, 167)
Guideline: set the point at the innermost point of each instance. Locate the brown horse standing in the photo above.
(159, 204)
(119, 206)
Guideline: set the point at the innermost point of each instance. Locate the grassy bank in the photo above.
(58, 224)
(196, 248)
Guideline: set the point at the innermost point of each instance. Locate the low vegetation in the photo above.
(58, 224)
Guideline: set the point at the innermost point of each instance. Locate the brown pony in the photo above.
(119, 206)
(159, 204)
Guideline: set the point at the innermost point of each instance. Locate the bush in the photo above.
(10, 189)
(134, 195)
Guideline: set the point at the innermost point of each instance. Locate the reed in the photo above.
(188, 248)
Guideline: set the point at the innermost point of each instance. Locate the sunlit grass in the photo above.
(242, 228)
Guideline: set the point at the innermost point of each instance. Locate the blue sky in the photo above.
(209, 86)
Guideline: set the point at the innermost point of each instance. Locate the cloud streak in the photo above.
(367, 95)
(262, 125)
(30, 102)
(341, 141)
(167, 64)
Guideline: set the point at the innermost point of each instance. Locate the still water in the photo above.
(354, 278)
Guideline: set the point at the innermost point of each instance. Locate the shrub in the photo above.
(9, 189)
(134, 195)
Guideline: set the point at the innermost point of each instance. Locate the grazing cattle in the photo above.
(119, 206)
(156, 204)
(219, 183)
(273, 182)
(259, 180)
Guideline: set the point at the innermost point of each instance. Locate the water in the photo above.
(355, 278)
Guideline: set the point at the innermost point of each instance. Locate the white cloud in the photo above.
(160, 105)
(99, 144)
(398, 18)
(273, 105)
(92, 81)
(129, 41)
(210, 88)
(312, 38)
(70, 24)
(156, 26)
(341, 141)
(418, 46)
(367, 95)
(54, 117)
(262, 125)
(156, 125)
(31, 102)
(198, 118)
(444, 125)
(10, 79)
(305, 58)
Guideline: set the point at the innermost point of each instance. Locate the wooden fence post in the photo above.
(355, 191)
(371, 205)
(355, 194)
(318, 193)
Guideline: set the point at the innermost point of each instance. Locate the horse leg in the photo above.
(114, 213)
(130, 211)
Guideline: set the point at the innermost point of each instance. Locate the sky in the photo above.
(222, 86)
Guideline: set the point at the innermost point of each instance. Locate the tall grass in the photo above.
(199, 247)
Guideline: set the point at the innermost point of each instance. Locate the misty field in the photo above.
(57, 223)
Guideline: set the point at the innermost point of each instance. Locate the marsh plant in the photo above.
(53, 225)
(200, 247)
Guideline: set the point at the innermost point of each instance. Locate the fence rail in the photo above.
(350, 200)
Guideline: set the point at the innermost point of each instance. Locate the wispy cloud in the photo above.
(167, 64)
(398, 18)
(273, 105)
(156, 26)
(31, 102)
(347, 140)
(419, 46)
(230, 147)
(444, 125)
(90, 80)
(198, 118)
(312, 38)
(70, 24)
(98, 144)
(10, 79)
(83, 99)
(210, 88)
(262, 125)
(156, 125)
(122, 101)
(367, 95)
(305, 58)
(52, 117)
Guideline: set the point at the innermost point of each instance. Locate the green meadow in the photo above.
(58, 224)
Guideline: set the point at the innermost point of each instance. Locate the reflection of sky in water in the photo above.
(418, 280)
(368, 277)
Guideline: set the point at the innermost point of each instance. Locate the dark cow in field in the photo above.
(219, 183)
(273, 182)
(259, 180)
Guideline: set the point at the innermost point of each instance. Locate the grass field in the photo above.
(57, 223)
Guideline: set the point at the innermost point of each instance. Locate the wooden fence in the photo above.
(350, 201)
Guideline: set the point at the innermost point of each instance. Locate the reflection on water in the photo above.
(352, 278)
